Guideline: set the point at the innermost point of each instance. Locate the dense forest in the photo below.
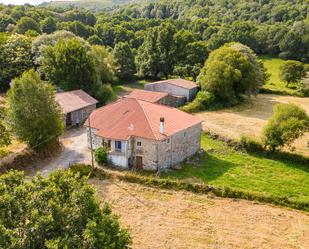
(151, 40)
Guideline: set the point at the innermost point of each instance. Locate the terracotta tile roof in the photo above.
(149, 96)
(74, 100)
(132, 117)
(178, 82)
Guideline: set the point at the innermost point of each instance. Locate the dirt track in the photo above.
(250, 118)
(175, 219)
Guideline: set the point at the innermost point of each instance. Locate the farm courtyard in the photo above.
(160, 218)
(251, 117)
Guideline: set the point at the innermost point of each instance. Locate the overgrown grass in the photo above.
(225, 167)
(274, 84)
(124, 87)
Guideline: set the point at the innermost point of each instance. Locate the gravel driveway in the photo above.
(75, 150)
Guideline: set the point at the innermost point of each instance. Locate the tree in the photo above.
(147, 58)
(291, 71)
(16, 57)
(124, 58)
(230, 71)
(69, 65)
(288, 123)
(165, 45)
(105, 63)
(58, 211)
(34, 115)
(5, 20)
(5, 138)
(27, 23)
(95, 40)
(48, 25)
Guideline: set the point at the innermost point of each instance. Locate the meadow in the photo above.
(226, 167)
(275, 84)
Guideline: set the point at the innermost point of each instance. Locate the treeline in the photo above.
(155, 40)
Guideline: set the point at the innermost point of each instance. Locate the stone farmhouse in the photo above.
(143, 135)
(184, 90)
(76, 106)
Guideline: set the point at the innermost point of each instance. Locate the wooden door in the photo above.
(139, 162)
(68, 119)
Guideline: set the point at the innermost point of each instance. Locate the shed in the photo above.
(76, 106)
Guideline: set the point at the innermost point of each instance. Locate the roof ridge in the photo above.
(147, 117)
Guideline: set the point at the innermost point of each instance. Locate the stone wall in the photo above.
(169, 152)
(81, 115)
(180, 146)
(147, 150)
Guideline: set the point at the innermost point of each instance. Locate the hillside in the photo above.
(93, 5)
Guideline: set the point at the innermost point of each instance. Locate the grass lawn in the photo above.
(275, 84)
(227, 167)
(124, 88)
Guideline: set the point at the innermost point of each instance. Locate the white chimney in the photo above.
(162, 126)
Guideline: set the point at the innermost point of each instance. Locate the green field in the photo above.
(275, 84)
(226, 167)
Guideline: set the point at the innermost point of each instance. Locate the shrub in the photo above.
(100, 155)
(288, 123)
(82, 169)
(249, 144)
(104, 93)
(203, 101)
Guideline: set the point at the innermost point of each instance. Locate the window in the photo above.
(168, 141)
(139, 143)
(106, 143)
(117, 145)
(185, 134)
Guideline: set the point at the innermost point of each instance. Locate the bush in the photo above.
(82, 169)
(288, 123)
(104, 93)
(203, 101)
(251, 145)
(303, 88)
(100, 155)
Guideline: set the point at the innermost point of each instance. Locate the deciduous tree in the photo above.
(58, 211)
(69, 65)
(291, 71)
(34, 115)
(124, 57)
(288, 123)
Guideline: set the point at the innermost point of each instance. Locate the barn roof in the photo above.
(187, 84)
(74, 100)
(132, 117)
(149, 96)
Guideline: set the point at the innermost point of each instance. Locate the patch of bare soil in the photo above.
(160, 218)
(250, 118)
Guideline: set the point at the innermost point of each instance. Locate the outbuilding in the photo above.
(180, 88)
(76, 106)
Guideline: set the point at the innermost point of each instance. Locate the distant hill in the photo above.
(92, 5)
